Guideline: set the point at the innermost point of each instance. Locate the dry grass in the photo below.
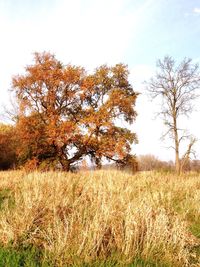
(98, 215)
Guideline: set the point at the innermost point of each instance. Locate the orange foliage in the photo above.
(67, 114)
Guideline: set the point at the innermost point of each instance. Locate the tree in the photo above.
(7, 147)
(177, 86)
(66, 113)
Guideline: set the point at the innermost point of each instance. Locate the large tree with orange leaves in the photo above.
(66, 114)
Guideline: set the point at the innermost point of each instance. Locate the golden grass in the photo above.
(91, 216)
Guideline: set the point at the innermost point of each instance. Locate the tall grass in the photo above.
(103, 216)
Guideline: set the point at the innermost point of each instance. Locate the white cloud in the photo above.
(196, 10)
(146, 126)
(141, 73)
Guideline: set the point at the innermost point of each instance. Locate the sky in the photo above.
(94, 32)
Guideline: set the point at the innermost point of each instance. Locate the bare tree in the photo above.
(177, 86)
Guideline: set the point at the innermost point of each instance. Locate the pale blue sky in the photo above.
(94, 32)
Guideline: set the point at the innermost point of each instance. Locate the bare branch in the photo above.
(188, 152)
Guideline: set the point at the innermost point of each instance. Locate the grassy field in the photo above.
(101, 218)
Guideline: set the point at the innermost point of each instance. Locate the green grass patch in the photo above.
(6, 197)
(194, 221)
(35, 257)
(138, 262)
(23, 257)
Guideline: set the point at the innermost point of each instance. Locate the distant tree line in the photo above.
(151, 163)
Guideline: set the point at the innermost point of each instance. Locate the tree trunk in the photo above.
(186, 157)
(176, 140)
(65, 165)
(98, 163)
(177, 162)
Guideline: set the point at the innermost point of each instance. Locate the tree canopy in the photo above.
(66, 113)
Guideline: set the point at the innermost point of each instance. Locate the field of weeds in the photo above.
(99, 218)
